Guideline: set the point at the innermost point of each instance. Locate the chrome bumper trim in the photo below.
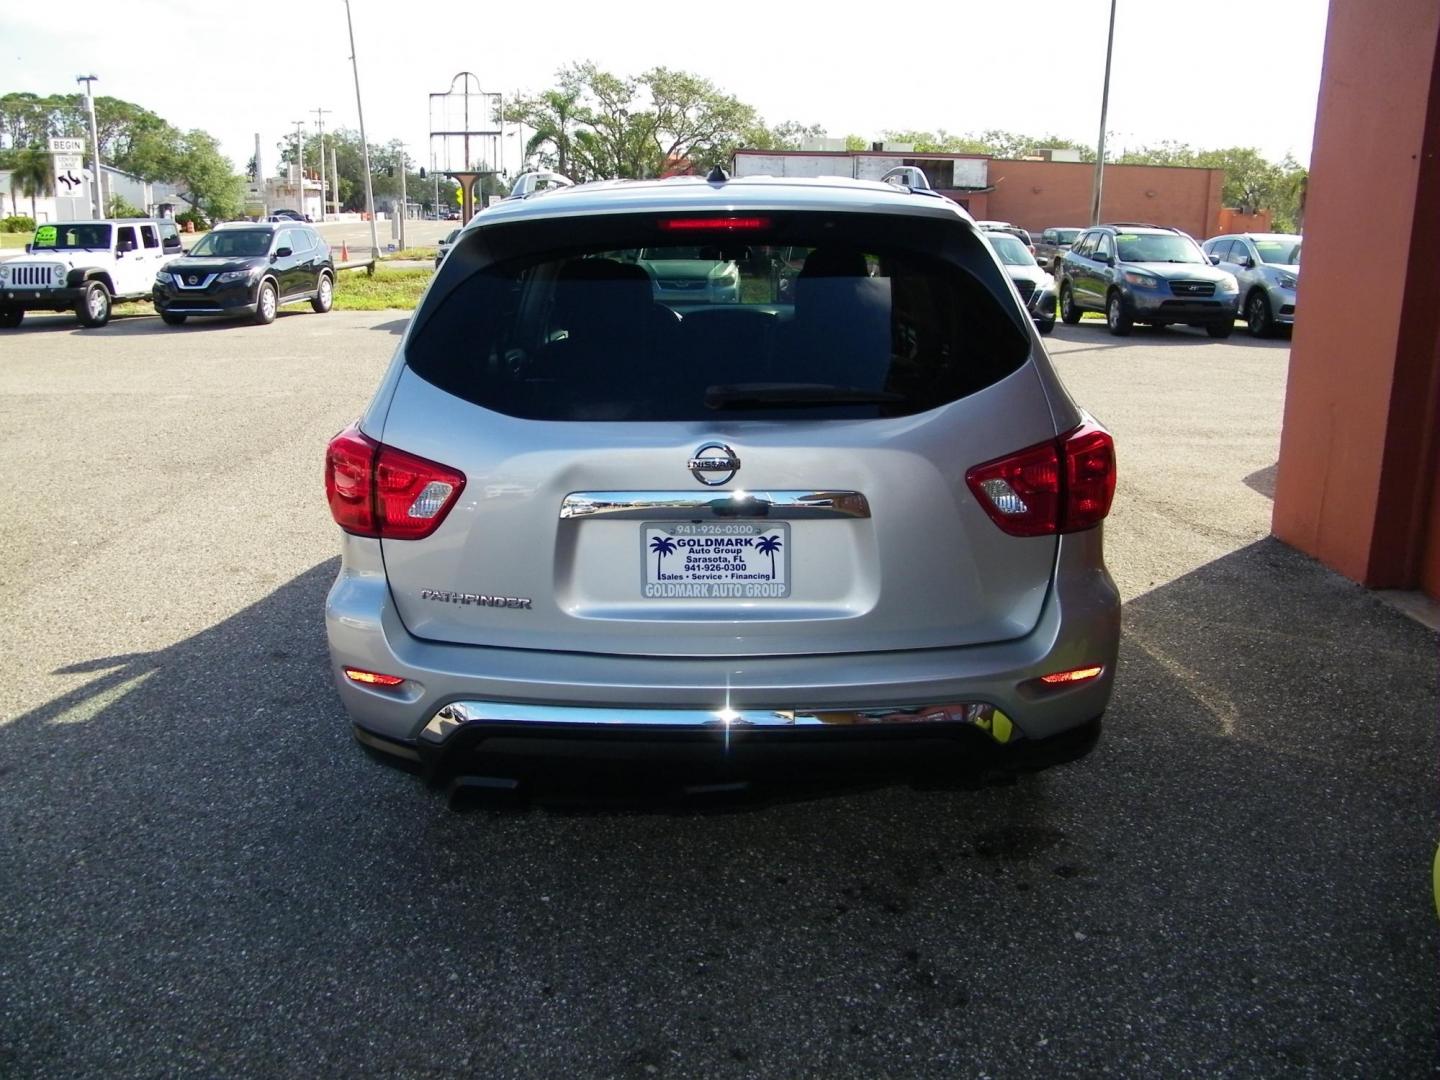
(459, 714)
(686, 505)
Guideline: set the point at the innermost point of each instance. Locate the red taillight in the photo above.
(377, 490)
(1089, 476)
(714, 224)
(1064, 485)
(1059, 678)
(349, 461)
(372, 678)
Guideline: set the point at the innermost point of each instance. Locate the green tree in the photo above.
(604, 125)
(207, 178)
(994, 142)
(32, 175)
(1252, 181)
(551, 115)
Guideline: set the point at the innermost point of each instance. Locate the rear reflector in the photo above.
(372, 678)
(377, 490)
(1060, 486)
(1084, 674)
(715, 224)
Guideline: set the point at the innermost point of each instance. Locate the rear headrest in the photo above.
(603, 270)
(834, 262)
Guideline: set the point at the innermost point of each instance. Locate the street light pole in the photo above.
(1104, 108)
(364, 145)
(98, 211)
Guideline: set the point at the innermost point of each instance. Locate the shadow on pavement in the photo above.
(203, 874)
(1263, 481)
(1095, 335)
(394, 326)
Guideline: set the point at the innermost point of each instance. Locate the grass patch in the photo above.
(16, 240)
(400, 289)
(426, 253)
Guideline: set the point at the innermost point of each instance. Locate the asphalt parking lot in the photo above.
(200, 874)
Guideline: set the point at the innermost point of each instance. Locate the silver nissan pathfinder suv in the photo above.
(737, 525)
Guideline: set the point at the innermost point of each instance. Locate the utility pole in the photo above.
(99, 209)
(300, 164)
(320, 125)
(364, 145)
(335, 180)
(1104, 108)
(404, 199)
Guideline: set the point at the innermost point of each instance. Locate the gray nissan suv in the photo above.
(742, 527)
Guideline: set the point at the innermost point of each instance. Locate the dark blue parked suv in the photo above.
(1145, 273)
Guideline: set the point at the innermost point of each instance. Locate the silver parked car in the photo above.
(861, 512)
(1267, 268)
(1035, 285)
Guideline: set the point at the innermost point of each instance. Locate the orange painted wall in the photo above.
(1038, 194)
(1236, 221)
(1356, 480)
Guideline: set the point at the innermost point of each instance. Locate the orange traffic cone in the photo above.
(344, 251)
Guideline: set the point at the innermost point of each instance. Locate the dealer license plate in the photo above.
(715, 560)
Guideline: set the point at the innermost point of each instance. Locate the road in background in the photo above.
(202, 874)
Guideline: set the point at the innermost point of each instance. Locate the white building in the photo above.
(157, 199)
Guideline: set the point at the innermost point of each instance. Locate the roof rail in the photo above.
(527, 184)
(909, 176)
(1135, 225)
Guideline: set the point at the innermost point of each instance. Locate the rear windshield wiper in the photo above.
(783, 395)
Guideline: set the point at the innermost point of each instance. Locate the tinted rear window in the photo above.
(787, 320)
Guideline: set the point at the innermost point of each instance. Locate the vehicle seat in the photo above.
(841, 329)
(616, 337)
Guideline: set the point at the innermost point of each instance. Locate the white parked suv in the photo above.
(86, 267)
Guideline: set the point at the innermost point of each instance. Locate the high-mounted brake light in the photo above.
(714, 224)
(1060, 486)
(377, 490)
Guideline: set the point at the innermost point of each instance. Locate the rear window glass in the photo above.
(814, 319)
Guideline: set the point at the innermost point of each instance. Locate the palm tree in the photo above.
(662, 546)
(32, 175)
(550, 117)
(768, 545)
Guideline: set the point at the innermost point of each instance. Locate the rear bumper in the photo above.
(714, 701)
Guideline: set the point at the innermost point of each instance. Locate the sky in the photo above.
(1222, 73)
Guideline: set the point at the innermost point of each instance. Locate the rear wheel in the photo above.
(265, 304)
(10, 317)
(1258, 319)
(173, 318)
(1069, 313)
(324, 295)
(1220, 330)
(1116, 317)
(94, 306)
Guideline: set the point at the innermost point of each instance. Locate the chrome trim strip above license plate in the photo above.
(688, 505)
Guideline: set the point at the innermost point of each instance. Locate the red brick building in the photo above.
(1032, 194)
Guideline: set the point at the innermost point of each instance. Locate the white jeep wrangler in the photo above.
(86, 267)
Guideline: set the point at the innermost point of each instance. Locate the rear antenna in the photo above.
(717, 175)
